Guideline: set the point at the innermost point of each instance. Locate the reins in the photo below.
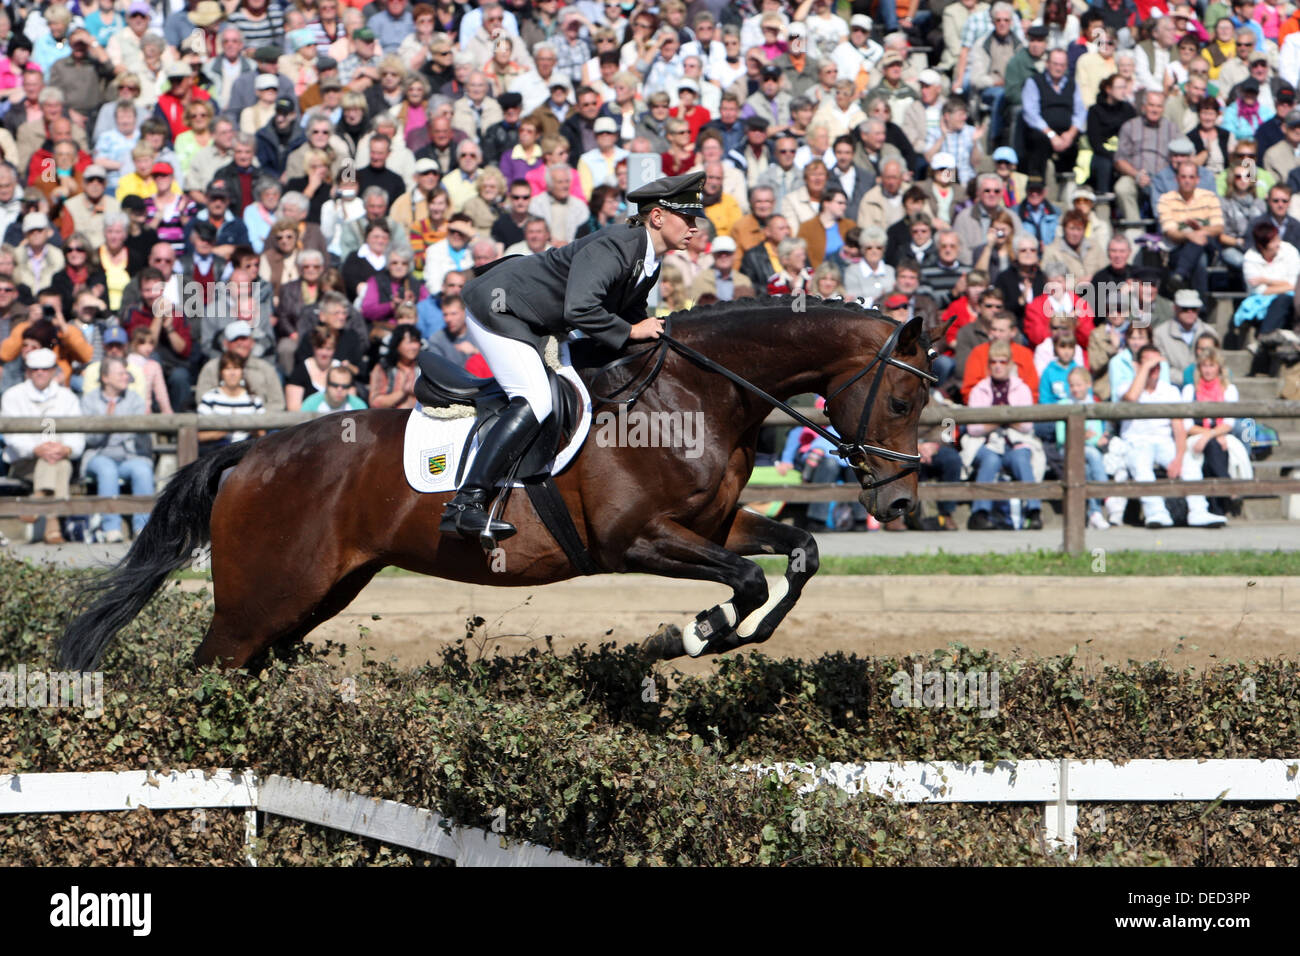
(855, 452)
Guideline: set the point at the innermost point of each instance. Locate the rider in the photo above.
(597, 284)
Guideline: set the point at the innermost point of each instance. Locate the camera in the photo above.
(1002, 233)
(48, 312)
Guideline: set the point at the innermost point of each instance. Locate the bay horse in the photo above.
(300, 521)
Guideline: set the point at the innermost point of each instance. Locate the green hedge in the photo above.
(578, 758)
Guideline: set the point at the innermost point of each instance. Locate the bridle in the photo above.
(855, 452)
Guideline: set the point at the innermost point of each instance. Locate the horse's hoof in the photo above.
(664, 644)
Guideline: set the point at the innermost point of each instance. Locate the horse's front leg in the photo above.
(752, 533)
(672, 550)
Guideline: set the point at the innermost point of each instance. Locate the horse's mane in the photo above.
(738, 316)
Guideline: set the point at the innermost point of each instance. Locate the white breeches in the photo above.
(516, 365)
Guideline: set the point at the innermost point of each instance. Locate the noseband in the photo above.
(856, 452)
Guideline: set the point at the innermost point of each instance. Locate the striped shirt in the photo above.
(1203, 207)
(268, 31)
(217, 402)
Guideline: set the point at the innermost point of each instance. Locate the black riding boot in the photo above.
(505, 441)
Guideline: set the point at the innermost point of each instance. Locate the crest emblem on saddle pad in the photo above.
(435, 460)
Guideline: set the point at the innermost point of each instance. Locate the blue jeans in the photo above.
(992, 97)
(180, 387)
(1093, 470)
(945, 465)
(989, 465)
(943, 367)
(137, 470)
(830, 470)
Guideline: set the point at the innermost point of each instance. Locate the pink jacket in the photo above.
(155, 384)
(981, 396)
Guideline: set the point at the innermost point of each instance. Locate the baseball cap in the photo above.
(509, 101)
(723, 244)
(365, 34)
(1187, 299)
(1083, 192)
(302, 37)
(604, 124)
(115, 335)
(237, 329)
(324, 63)
(1005, 154)
(267, 54)
(943, 161)
(756, 122)
(896, 301)
(35, 220)
(162, 169)
(40, 358)
(134, 203)
(893, 56)
(1182, 146)
(771, 72)
(266, 81)
(860, 21)
(1249, 85)
(1035, 184)
(686, 83)
(796, 29)
(178, 71)
(427, 165)
(139, 6)
(94, 171)
(1293, 119)
(929, 78)
(284, 106)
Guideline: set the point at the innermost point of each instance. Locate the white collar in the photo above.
(651, 261)
(51, 391)
(378, 260)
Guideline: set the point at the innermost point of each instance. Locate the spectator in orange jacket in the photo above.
(55, 333)
(1001, 329)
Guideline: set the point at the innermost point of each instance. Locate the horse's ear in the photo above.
(943, 332)
(910, 337)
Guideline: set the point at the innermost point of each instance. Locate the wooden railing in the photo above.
(1073, 489)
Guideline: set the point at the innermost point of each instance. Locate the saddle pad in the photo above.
(432, 449)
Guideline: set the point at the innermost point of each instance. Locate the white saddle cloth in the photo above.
(432, 449)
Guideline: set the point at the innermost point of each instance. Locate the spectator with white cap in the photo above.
(942, 188)
(43, 458)
(85, 212)
(856, 56)
(37, 261)
(921, 118)
(260, 376)
(254, 117)
(112, 457)
(597, 166)
(727, 279)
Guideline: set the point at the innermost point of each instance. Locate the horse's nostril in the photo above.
(901, 505)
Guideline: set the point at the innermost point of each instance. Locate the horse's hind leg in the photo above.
(671, 550)
(244, 628)
(752, 533)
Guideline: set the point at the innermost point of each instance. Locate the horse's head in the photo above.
(874, 401)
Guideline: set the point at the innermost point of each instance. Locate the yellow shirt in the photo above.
(724, 214)
(133, 184)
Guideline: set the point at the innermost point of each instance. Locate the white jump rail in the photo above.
(385, 820)
(1058, 785)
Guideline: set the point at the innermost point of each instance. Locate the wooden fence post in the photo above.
(187, 444)
(1075, 504)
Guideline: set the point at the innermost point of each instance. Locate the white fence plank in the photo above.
(398, 823)
(1164, 780)
(914, 781)
(127, 790)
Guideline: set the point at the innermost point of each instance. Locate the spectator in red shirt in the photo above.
(688, 108)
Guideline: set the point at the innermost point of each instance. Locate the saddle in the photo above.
(442, 384)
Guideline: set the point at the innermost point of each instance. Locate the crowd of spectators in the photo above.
(246, 205)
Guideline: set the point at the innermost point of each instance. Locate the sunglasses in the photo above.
(75, 249)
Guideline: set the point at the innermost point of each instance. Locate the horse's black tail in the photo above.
(178, 528)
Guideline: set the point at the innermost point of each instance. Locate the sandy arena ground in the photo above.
(1111, 619)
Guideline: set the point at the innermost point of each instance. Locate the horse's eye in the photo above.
(898, 406)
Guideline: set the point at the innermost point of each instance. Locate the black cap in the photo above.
(324, 63)
(1285, 93)
(217, 189)
(132, 203)
(1038, 32)
(205, 230)
(771, 72)
(1034, 183)
(757, 122)
(679, 193)
(267, 54)
(1249, 85)
(1148, 275)
(509, 101)
(284, 106)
